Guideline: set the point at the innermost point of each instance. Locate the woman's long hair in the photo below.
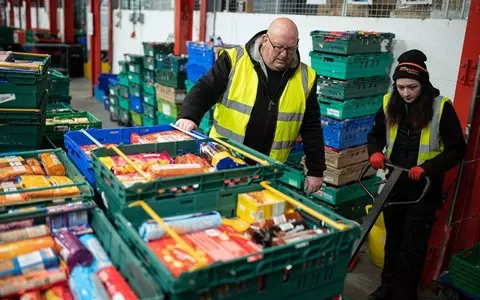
(421, 110)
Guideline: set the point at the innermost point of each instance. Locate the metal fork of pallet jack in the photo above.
(381, 202)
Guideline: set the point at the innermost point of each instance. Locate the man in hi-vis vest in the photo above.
(264, 97)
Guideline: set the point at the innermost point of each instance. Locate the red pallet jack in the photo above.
(380, 203)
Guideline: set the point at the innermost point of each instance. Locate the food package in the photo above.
(35, 181)
(53, 166)
(72, 250)
(58, 292)
(116, 286)
(159, 137)
(220, 157)
(16, 225)
(35, 165)
(162, 171)
(120, 167)
(190, 158)
(26, 263)
(34, 280)
(24, 234)
(13, 166)
(60, 120)
(255, 206)
(72, 221)
(89, 148)
(86, 285)
(100, 257)
(151, 230)
(10, 186)
(219, 244)
(14, 249)
(130, 179)
(32, 295)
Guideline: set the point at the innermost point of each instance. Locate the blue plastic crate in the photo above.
(118, 136)
(136, 104)
(347, 133)
(106, 104)
(196, 71)
(200, 54)
(103, 81)
(99, 94)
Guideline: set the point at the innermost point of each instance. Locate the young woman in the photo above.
(421, 132)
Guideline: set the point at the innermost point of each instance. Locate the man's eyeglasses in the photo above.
(280, 49)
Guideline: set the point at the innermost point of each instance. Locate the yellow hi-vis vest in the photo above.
(431, 144)
(233, 112)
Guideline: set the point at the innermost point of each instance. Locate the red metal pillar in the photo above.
(12, 14)
(183, 25)
(52, 7)
(28, 14)
(203, 20)
(20, 14)
(68, 21)
(467, 207)
(95, 43)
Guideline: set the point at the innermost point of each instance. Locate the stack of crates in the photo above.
(353, 69)
(58, 87)
(135, 87)
(464, 271)
(119, 98)
(23, 100)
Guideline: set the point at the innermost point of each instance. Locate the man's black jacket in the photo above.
(261, 127)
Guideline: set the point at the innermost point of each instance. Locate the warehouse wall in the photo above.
(44, 21)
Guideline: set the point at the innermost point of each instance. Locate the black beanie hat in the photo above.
(411, 64)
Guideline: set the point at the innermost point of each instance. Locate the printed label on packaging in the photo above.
(7, 98)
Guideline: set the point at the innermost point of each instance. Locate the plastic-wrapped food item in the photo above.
(130, 179)
(41, 279)
(115, 284)
(24, 234)
(11, 198)
(35, 165)
(58, 120)
(86, 285)
(14, 249)
(52, 164)
(100, 257)
(72, 250)
(32, 295)
(160, 171)
(26, 263)
(36, 181)
(220, 157)
(16, 225)
(58, 292)
(150, 230)
(120, 167)
(13, 166)
(89, 148)
(159, 137)
(190, 158)
(75, 222)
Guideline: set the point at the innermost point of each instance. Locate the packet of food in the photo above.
(13, 166)
(52, 164)
(142, 161)
(36, 181)
(35, 165)
(191, 158)
(159, 137)
(160, 171)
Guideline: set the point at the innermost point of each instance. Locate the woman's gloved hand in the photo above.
(377, 160)
(416, 173)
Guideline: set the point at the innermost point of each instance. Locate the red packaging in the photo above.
(58, 292)
(115, 284)
(119, 166)
(159, 137)
(190, 158)
(33, 295)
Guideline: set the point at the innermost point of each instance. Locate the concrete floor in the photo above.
(359, 284)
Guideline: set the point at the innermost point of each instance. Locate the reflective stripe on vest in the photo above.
(232, 114)
(430, 141)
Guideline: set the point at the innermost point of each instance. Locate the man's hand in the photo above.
(186, 124)
(313, 184)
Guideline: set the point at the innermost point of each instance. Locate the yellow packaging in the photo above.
(256, 206)
(34, 181)
(52, 164)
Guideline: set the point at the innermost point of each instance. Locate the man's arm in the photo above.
(312, 136)
(206, 91)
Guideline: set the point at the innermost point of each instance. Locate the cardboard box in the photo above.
(168, 108)
(256, 206)
(172, 95)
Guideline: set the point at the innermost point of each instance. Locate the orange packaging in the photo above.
(58, 292)
(33, 295)
(35, 181)
(162, 171)
(14, 249)
(31, 281)
(53, 166)
(159, 137)
(190, 158)
(35, 165)
(119, 166)
(11, 198)
(13, 166)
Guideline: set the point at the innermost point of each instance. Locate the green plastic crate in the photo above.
(171, 63)
(168, 108)
(296, 157)
(205, 125)
(123, 79)
(150, 99)
(58, 84)
(355, 88)
(164, 120)
(123, 67)
(113, 100)
(168, 187)
(71, 171)
(135, 89)
(124, 117)
(293, 176)
(147, 121)
(124, 103)
(136, 119)
(122, 90)
(114, 113)
(464, 270)
(352, 108)
(24, 88)
(6, 35)
(189, 85)
(135, 68)
(149, 76)
(318, 267)
(351, 42)
(135, 78)
(60, 108)
(154, 48)
(59, 99)
(352, 66)
(171, 79)
(340, 195)
(149, 63)
(149, 111)
(114, 90)
(22, 130)
(353, 209)
(149, 88)
(133, 59)
(56, 132)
